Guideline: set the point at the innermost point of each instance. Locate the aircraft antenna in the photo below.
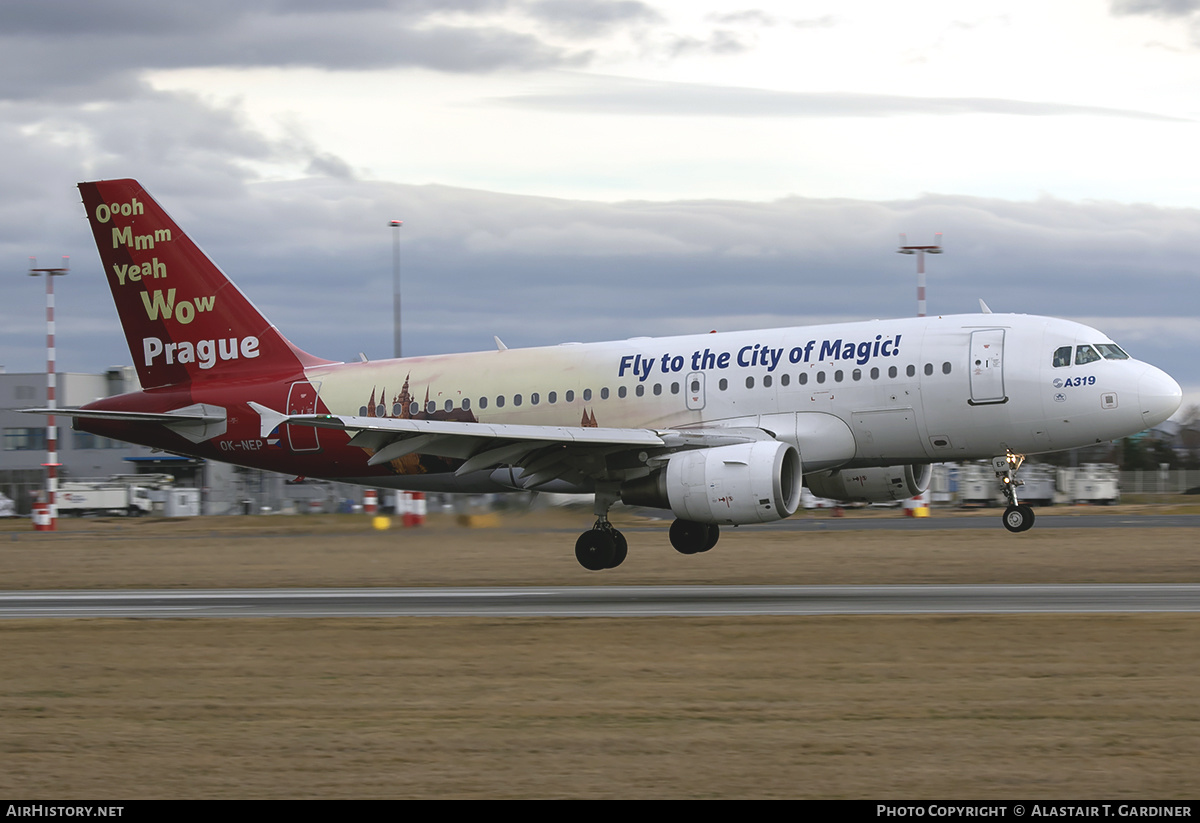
(920, 252)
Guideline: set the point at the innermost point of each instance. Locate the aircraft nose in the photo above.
(1158, 396)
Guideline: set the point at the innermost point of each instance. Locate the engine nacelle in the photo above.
(745, 483)
(878, 485)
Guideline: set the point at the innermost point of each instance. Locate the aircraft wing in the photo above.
(544, 453)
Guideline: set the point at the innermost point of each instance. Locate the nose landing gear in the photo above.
(1018, 517)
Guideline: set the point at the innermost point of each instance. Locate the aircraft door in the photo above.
(302, 399)
(987, 367)
(695, 390)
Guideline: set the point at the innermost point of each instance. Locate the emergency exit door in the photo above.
(987, 367)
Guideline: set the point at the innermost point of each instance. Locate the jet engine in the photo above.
(878, 485)
(744, 483)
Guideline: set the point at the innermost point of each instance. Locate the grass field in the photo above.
(1039, 706)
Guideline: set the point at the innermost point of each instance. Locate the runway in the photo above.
(1044, 521)
(605, 601)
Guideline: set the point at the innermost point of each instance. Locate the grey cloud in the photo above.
(587, 18)
(148, 17)
(1157, 8)
(758, 17)
(682, 99)
(754, 17)
(80, 49)
(720, 42)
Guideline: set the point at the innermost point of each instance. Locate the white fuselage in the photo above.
(872, 393)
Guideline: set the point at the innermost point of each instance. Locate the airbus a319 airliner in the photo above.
(722, 429)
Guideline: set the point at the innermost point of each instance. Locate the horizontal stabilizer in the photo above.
(197, 422)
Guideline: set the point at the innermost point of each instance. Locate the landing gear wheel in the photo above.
(714, 534)
(1029, 518)
(595, 550)
(690, 537)
(1018, 518)
(620, 549)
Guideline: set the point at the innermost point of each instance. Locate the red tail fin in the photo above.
(183, 318)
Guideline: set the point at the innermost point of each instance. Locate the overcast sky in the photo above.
(588, 170)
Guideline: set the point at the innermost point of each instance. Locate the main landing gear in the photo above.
(603, 547)
(690, 537)
(1018, 517)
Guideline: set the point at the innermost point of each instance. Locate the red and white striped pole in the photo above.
(51, 463)
(919, 251)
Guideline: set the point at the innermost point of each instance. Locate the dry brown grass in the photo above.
(903, 707)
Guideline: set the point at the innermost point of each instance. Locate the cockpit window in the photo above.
(1112, 351)
(1062, 356)
(1085, 354)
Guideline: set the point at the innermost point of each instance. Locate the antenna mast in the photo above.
(920, 251)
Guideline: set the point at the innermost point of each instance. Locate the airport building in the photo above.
(81, 455)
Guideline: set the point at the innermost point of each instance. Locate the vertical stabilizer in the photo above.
(183, 318)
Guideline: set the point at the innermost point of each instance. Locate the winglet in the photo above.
(499, 344)
(269, 418)
(983, 307)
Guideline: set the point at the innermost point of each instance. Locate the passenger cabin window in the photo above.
(722, 384)
(622, 391)
(535, 398)
(911, 371)
(640, 391)
(499, 401)
(552, 397)
(1062, 357)
(569, 397)
(928, 369)
(784, 379)
(483, 402)
(1085, 354)
(803, 378)
(516, 399)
